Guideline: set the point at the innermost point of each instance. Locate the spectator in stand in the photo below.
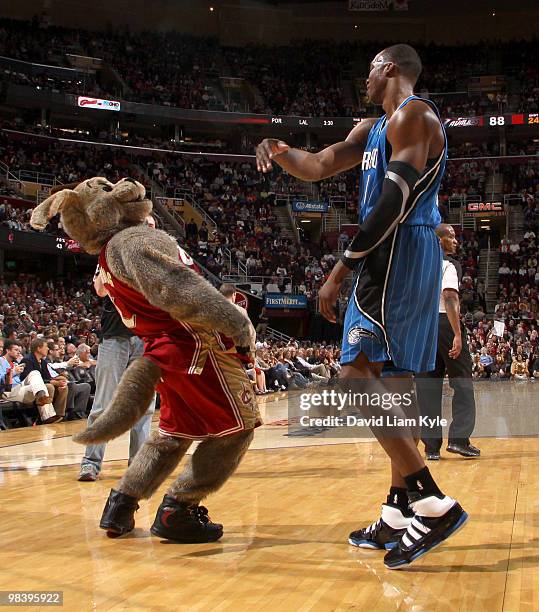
(519, 371)
(84, 371)
(477, 367)
(502, 367)
(319, 369)
(78, 394)
(191, 230)
(36, 361)
(534, 364)
(32, 388)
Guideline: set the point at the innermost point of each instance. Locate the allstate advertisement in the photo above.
(285, 300)
(309, 206)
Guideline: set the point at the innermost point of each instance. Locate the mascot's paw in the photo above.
(246, 355)
(245, 341)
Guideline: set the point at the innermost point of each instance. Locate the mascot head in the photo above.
(94, 210)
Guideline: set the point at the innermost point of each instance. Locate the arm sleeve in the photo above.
(399, 181)
(450, 279)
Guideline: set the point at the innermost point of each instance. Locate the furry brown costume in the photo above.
(108, 219)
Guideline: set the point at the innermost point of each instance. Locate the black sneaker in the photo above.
(385, 532)
(465, 450)
(434, 521)
(187, 523)
(432, 455)
(119, 514)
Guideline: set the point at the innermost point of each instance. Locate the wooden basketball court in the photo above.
(287, 514)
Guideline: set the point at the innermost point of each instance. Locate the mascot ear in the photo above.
(50, 207)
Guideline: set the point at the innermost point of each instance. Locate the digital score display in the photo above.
(515, 119)
(348, 123)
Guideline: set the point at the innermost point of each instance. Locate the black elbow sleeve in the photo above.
(399, 182)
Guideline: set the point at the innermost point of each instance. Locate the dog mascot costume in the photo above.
(194, 340)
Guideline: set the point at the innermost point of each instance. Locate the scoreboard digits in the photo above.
(347, 123)
(514, 119)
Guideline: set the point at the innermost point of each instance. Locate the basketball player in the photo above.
(392, 315)
(453, 357)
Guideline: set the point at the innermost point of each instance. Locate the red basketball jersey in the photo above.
(146, 320)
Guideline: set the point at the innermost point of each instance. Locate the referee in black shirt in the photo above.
(452, 357)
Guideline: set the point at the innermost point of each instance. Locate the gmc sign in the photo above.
(484, 207)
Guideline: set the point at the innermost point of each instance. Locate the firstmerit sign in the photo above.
(285, 300)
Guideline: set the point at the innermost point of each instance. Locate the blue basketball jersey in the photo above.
(424, 210)
(392, 314)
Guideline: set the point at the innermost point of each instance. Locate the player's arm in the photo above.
(450, 295)
(147, 260)
(452, 308)
(315, 166)
(409, 133)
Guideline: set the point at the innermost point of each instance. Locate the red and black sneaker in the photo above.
(119, 514)
(183, 522)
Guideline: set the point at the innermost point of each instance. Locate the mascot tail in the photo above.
(129, 403)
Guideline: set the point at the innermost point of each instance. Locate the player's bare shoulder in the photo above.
(416, 122)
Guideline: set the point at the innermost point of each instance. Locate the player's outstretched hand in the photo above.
(266, 151)
(327, 299)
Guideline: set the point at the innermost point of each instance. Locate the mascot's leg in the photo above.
(179, 516)
(129, 403)
(151, 466)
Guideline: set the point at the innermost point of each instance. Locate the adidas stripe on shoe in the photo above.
(434, 521)
(383, 533)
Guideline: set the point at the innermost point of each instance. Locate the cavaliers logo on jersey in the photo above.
(246, 395)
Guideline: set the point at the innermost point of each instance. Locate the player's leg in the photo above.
(396, 515)
(436, 516)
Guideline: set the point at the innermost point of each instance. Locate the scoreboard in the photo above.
(349, 122)
(494, 120)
